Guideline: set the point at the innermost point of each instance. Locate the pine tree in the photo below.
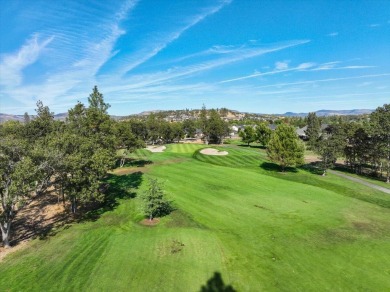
(285, 148)
(313, 129)
(154, 201)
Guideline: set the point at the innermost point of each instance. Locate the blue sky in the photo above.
(255, 56)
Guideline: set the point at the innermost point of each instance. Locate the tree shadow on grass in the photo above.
(216, 284)
(252, 146)
(45, 216)
(272, 167)
(366, 172)
(313, 167)
(42, 217)
(117, 187)
(130, 162)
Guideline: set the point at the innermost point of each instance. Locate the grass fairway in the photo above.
(261, 229)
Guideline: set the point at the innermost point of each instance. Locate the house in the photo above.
(272, 127)
(301, 132)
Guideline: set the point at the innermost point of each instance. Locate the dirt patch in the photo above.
(212, 151)
(36, 219)
(5, 251)
(128, 170)
(156, 148)
(147, 222)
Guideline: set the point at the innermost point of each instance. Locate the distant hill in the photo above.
(20, 118)
(228, 114)
(325, 113)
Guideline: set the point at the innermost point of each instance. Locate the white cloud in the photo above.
(156, 46)
(300, 67)
(281, 65)
(374, 25)
(333, 34)
(305, 66)
(12, 65)
(81, 73)
(324, 80)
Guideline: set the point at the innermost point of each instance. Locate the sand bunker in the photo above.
(212, 151)
(156, 148)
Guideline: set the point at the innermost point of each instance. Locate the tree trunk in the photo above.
(74, 205)
(5, 232)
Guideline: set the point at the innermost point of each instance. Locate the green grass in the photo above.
(236, 214)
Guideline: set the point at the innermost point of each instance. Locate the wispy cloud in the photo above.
(324, 80)
(281, 65)
(11, 66)
(374, 25)
(146, 54)
(333, 34)
(309, 66)
(65, 78)
(300, 67)
(178, 73)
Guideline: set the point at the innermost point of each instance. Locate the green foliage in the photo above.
(217, 128)
(189, 128)
(154, 202)
(329, 146)
(17, 174)
(259, 229)
(313, 129)
(263, 134)
(380, 128)
(285, 148)
(248, 135)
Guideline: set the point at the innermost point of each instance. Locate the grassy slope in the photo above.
(259, 228)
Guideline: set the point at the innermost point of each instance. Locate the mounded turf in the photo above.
(237, 215)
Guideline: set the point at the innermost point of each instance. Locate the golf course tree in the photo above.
(217, 128)
(154, 202)
(126, 141)
(153, 124)
(380, 129)
(329, 145)
(177, 131)
(139, 129)
(189, 128)
(313, 130)
(204, 124)
(17, 173)
(39, 133)
(263, 134)
(26, 118)
(285, 148)
(88, 147)
(248, 135)
(360, 148)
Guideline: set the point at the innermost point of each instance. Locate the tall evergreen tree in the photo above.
(380, 128)
(17, 177)
(263, 134)
(204, 125)
(217, 128)
(313, 129)
(248, 135)
(285, 148)
(329, 146)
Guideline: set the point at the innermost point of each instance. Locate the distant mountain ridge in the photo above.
(321, 113)
(325, 113)
(20, 118)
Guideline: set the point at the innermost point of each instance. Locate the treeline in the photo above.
(365, 145)
(72, 157)
(155, 129)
